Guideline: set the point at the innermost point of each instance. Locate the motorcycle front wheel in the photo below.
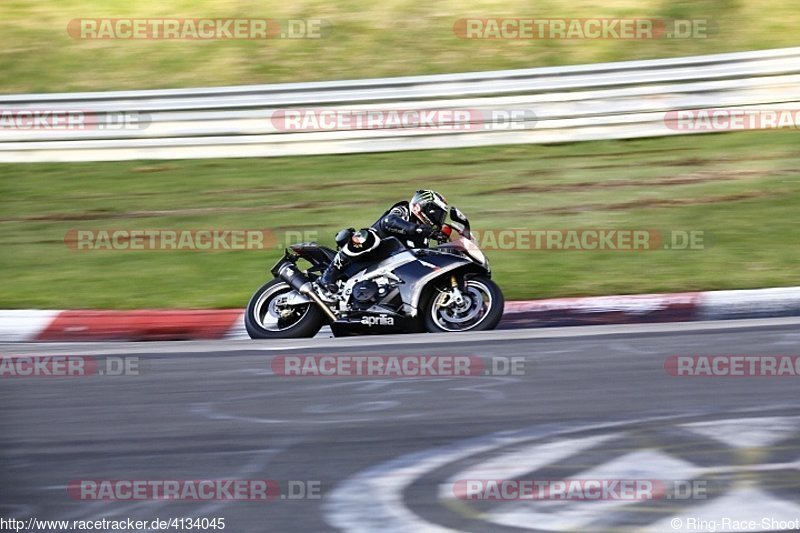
(479, 309)
(266, 318)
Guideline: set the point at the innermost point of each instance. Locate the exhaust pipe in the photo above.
(299, 282)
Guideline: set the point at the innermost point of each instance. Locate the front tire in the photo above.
(481, 309)
(263, 318)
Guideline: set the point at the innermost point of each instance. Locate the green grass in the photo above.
(367, 39)
(742, 189)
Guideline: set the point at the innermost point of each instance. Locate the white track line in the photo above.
(382, 341)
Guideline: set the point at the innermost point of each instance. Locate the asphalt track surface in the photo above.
(593, 402)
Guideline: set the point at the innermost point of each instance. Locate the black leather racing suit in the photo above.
(398, 222)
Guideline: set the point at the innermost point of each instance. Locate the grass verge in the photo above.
(741, 189)
(366, 39)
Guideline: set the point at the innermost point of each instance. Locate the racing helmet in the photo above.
(430, 207)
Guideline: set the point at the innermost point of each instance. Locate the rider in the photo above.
(413, 223)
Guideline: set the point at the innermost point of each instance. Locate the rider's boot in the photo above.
(327, 282)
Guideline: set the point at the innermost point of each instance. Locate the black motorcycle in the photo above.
(444, 288)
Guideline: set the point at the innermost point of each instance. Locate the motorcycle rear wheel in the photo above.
(263, 318)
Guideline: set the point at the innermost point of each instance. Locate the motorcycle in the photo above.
(447, 288)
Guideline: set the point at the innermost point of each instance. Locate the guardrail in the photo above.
(560, 104)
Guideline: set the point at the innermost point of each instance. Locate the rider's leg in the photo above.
(332, 274)
(357, 248)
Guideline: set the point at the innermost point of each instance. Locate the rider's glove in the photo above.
(441, 235)
(426, 230)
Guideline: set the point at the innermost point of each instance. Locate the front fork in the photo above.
(456, 293)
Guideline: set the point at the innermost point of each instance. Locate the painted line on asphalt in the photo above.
(430, 339)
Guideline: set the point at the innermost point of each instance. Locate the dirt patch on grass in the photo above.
(618, 154)
(154, 168)
(110, 215)
(659, 202)
(338, 184)
(639, 203)
(692, 178)
(684, 161)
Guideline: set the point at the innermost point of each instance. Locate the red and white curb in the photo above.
(27, 325)
(178, 324)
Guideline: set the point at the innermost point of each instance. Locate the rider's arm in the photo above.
(397, 222)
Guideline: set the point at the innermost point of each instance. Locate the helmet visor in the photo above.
(435, 214)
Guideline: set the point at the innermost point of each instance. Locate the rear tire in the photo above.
(262, 321)
(439, 319)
